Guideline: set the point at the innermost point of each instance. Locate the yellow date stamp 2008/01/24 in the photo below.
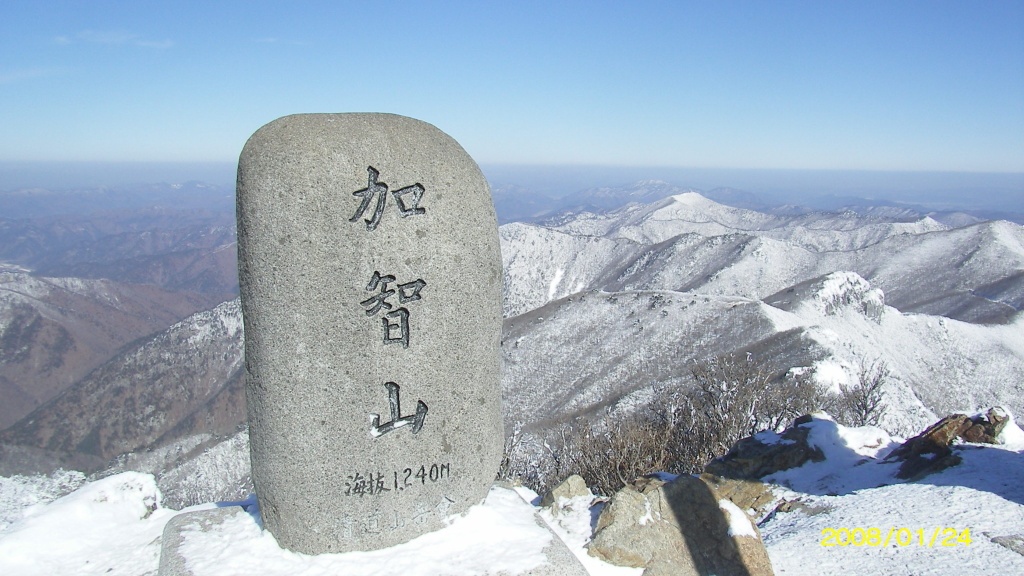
(898, 536)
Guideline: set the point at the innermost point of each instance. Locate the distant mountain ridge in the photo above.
(80, 279)
(519, 204)
(690, 243)
(184, 380)
(178, 249)
(627, 300)
(27, 203)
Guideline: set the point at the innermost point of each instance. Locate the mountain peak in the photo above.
(830, 294)
(693, 198)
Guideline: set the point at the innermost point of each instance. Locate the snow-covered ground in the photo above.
(858, 519)
(855, 518)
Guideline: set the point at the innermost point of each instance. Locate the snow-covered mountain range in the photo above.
(604, 306)
(602, 309)
(689, 243)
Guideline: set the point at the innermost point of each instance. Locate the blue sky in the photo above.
(791, 85)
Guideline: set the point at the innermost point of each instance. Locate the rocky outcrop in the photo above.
(679, 528)
(831, 294)
(757, 456)
(986, 429)
(749, 495)
(931, 450)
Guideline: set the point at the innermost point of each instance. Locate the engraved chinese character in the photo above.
(395, 321)
(376, 483)
(444, 505)
(359, 485)
(356, 485)
(380, 191)
(397, 420)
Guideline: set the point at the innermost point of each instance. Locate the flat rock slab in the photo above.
(502, 537)
(370, 277)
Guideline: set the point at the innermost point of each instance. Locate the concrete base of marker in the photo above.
(559, 560)
(172, 562)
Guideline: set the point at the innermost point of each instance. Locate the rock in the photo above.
(618, 542)
(172, 561)
(745, 494)
(750, 458)
(370, 278)
(986, 429)
(572, 487)
(807, 509)
(1014, 542)
(998, 417)
(931, 450)
(680, 528)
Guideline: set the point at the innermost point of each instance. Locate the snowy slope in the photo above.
(591, 350)
(929, 355)
(595, 349)
(53, 331)
(968, 519)
(152, 387)
(113, 526)
(108, 527)
(562, 263)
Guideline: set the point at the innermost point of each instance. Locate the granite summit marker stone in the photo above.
(370, 277)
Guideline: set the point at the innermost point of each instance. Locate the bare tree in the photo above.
(861, 403)
(683, 428)
(736, 397)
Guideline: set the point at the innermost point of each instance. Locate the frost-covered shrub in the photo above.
(861, 403)
(736, 397)
(678, 431)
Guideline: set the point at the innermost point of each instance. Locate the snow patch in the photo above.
(109, 526)
(18, 493)
(647, 517)
(1012, 437)
(498, 536)
(739, 524)
(554, 283)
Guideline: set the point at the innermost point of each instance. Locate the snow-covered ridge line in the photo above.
(596, 319)
(691, 212)
(661, 246)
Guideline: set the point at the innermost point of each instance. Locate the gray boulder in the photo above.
(679, 528)
(572, 487)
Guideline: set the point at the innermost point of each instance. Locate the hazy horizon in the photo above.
(936, 190)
